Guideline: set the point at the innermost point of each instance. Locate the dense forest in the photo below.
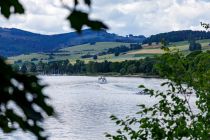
(127, 67)
(175, 36)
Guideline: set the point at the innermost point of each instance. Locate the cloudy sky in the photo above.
(138, 17)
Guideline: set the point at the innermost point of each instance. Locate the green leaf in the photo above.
(78, 19)
(30, 86)
(76, 2)
(6, 5)
(96, 25)
(141, 86)
(88, 2)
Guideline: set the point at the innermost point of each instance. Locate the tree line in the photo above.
(62, 67)
(177, 36)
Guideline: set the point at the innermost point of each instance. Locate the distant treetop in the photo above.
(176, 36)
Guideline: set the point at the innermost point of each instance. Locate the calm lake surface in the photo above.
(84, 106)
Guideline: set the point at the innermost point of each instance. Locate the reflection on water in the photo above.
(84, 106)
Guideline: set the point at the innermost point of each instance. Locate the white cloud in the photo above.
(42, 16)
(122, 16)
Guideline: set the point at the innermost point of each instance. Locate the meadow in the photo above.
(75, 52)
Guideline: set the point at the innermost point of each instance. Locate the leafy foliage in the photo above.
(78, 23)
(78, 18)
(24, 91)
(205, 25)
(22, 103)
(173, 116)
(7, 5)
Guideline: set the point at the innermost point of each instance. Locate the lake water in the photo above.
(84, 106)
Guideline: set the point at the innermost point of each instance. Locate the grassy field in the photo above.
(74, 53)
(98, 47)
(184, 45)
(147, 51)
(28, 57)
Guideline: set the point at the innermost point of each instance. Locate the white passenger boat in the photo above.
(102, 80)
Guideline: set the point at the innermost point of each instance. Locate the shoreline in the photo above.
(107, 75)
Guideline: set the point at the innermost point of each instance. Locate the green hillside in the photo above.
(75, 52)
(78, 51)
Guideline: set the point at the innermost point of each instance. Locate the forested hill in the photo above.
(14, 41)
(176, 36)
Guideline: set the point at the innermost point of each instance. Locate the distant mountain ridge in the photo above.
(15, 41)
(176, 36)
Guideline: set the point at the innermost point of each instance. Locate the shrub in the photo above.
(172, 117)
